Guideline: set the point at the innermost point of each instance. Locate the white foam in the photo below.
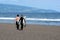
(43, 19)
(5, 18)
(35, 19)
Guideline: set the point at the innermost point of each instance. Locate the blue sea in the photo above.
(33, 15)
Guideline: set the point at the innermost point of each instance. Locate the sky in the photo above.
(41, 4)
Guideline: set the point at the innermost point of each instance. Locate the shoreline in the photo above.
(33, 24)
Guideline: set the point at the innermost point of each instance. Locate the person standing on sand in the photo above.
(24, 21)
(21, 22)
(17, 21)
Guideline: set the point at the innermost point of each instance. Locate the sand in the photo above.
(30, 32)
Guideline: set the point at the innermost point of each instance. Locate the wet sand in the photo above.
(30, 32)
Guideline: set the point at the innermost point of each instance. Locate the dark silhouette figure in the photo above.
(17, 21)
(24, 21)
(21, 22)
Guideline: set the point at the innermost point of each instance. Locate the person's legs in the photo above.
(17, 25)
(24, 25)
(21, 26)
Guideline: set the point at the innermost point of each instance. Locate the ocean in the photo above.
(35, 18)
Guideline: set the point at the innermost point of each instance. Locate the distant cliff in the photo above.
(23, 9)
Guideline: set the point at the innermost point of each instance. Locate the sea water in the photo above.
(35, 16)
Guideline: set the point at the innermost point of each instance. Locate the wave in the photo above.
(35, 19)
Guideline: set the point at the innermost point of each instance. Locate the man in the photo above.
(21, 22)
(17, 21)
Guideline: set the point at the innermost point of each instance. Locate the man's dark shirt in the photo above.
(21, 20)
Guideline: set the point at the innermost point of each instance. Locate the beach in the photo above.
(30, 32)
